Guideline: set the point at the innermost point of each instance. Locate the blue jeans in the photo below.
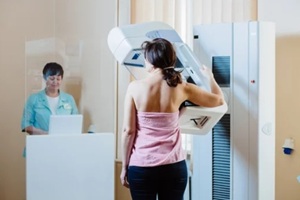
(167, 182)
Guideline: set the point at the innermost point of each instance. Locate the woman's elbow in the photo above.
(218, 101)
(29, 130)
(128, 131)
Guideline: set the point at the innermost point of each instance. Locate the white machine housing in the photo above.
(125, 44)
(236, 160)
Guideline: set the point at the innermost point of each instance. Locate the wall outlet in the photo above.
(298, 178)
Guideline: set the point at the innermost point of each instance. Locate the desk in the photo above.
(70, 167)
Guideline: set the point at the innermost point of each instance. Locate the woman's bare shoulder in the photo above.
(135, 85)
(185, 86)
(189, 86)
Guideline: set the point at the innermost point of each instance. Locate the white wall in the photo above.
(286, 16)
(284, 13)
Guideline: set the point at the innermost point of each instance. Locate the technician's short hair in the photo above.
(52, 69)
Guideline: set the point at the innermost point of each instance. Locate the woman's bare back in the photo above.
(153, 94)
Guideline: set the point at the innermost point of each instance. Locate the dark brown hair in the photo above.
(51, 69)
(161, 54)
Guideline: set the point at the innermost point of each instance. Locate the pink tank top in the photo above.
(158, 140)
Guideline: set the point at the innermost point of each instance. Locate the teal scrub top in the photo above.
(37, 111)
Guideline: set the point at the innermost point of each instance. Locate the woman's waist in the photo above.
(142, 157)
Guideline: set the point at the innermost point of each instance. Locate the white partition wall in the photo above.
(64, 167)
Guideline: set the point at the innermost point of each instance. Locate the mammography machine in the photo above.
(125, 44)
(233, 157)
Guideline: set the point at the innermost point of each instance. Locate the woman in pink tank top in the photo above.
(153, 163)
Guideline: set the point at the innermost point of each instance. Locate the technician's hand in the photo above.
(123, 178)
